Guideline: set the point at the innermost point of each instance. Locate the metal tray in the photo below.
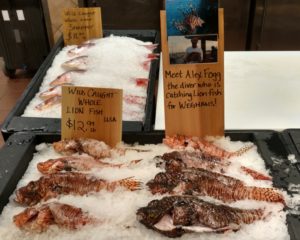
(20, 147)
(15, 123)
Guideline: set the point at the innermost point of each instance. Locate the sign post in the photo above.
(92, 113)
(194, 93)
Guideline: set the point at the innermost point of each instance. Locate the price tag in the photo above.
(92, 113)
(81, 24)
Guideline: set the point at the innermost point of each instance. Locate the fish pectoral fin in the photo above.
(165, 223)
(199, 229)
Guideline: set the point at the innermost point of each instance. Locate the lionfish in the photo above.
(53, 185)
(38, 219)
(181, 142)
(190, 22)
(92, 147)
(202, 182)
(178, 160)
(175, 215)
(77, 163)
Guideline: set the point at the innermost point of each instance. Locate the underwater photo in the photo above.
(192, 29)
(192, 17)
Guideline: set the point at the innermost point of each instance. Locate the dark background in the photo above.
(249, 24)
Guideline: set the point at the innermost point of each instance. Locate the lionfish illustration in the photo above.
(190, 21)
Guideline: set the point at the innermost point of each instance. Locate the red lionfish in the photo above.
(92, 147)
(181, 142)
(53, 185)
(77, 163)
(190, 22)
(38, 219)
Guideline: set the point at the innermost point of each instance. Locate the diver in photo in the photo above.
(193, 54)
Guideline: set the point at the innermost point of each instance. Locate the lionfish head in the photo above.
(29, 194)
(151, 214)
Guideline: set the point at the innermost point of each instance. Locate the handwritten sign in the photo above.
(81, 24)
(92, 113)
(194, 93)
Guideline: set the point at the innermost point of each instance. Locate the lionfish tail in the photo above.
(264, 194)
(243, 150)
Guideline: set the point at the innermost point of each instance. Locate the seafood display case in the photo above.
(20, 148)
(15, 122)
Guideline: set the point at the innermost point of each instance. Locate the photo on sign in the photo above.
(192, 29)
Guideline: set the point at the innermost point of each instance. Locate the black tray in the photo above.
(20, 147)
(292, 137)
(15, 123)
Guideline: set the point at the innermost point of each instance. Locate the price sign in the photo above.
(81, 24)
(92, 113)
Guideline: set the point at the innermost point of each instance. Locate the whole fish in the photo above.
(77, 163)
(178, 160)
(80, 49)
(78, 63)
(55, 100)
(181, 142)
(53, 91)
(175, 215)
(149, 46)
(206, 183)
(38, 219)
(138, 100)
(65, 78)
(193, 21)
(53, 185)
(92, 147)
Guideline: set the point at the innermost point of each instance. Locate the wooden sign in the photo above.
(194, 93)
(92, 113)
(81, 24)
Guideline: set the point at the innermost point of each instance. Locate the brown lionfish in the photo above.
(48, 103)
(77, 163)
(92, 147)
(181, 142)
(175, 215)
(38, 219)
(178, 160)
(53, 185)
(206, 183)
